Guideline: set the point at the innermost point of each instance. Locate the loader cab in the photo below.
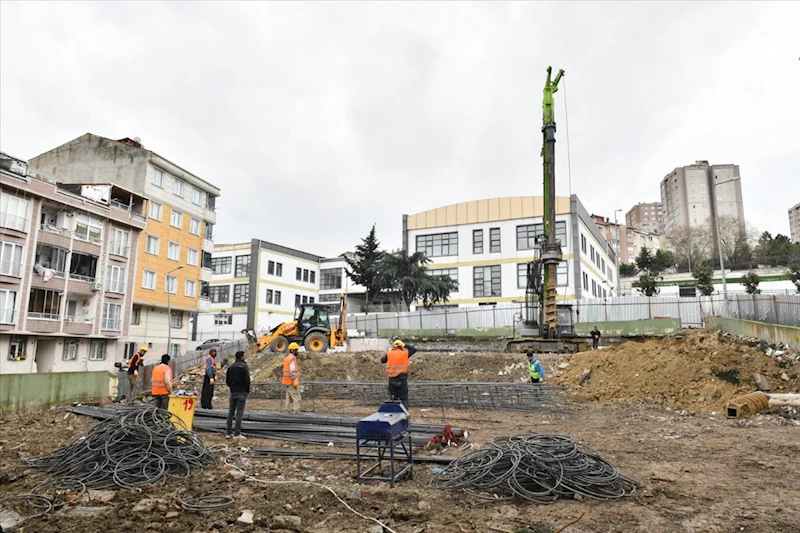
(311, 316)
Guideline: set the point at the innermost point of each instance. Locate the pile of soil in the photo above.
(701, 371)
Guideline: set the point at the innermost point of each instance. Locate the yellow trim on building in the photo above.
(275, 311)
(289, 256)
(231, 247)
(229, 281)
(486, 262)
(289, 285)
(488, 210)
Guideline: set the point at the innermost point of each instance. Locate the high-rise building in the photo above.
(173, 271)
(67, 258)
(794, 223)
(646, 217)
(686, 196)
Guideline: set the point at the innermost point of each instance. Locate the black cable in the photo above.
(207, 504)
(37, 500)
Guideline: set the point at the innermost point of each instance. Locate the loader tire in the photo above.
(316, 343)
(279, 345)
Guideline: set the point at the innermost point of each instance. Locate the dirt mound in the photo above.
(697, 370)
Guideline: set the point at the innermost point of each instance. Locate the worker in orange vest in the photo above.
(291, 379)
(136, 361)
(162, 382)
(209, 379)
(397, 361)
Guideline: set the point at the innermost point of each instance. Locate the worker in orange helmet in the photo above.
(134, 364)
(291, 379)
(397, 361)
(162, 382)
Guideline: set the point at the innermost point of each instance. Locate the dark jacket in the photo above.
(238, 377)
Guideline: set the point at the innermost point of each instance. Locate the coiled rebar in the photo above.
(138, 447)
(538, 468)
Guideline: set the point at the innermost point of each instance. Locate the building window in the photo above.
(477, 241)
(174, 251)
(8, 300)
(120, 242)
(70, 352)
(190, 288)
(221, 265)
(329, 297)
(17, 348)
(583, 243)
(176, 219)
(298, 274)
(494, 240)
(269, 296)
(112, 314)
(296, 300)
(438, 245)
(155, 210)
(88, 228)
(53, 258)
(313, 276)
(311, 299)
(223, 319)
(115, 279)
(197, 196)
(194, 226)
(522, 275)
(211, 202)
(14, 212)
(305, 275)
(220, 294)
(241, 294)
(174, 350)
(330, 278)
(148, 279)
(452, 273)
(136, 315)
(158, 178)
(602, 265)
(271, 267)
(486, 281)
(176, 320)
(209, 232)
(305, 299)
(172, 285)
(242, 266)
(44, 304)
(594, 288)
(527, 234)
(151, 246)
(97, 350)
(277, 298)
(191, 256)
(177, 187)
(11, 259)
(279, 269)
(82, 267)
(591, 253)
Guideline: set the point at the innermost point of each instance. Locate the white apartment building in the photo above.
(629, 240)
(485, 246)
(794, 223)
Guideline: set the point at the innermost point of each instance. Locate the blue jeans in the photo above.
(236, 405)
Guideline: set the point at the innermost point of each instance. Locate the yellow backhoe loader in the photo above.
(311, 328)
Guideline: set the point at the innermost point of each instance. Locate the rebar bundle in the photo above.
(463, 395)
(539, 468)
(134, 447)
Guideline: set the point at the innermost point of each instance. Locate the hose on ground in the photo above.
(207, 504)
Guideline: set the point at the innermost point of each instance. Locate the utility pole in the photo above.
(715, 214)
(169, 307)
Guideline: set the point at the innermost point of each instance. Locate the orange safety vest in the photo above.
(213, 362)
(289, 375)
(396, 362)
(161, 375)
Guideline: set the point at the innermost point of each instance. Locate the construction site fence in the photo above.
(781, 309)
(180, 364)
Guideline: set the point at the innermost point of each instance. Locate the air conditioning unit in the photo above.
(97, 285)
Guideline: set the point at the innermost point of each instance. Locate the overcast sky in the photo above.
(319, 119)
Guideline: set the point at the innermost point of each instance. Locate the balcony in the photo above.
(208, 245)
(54, 236)
(110, 326)
(203, 305)
(76, 325)
(119, 248)
(205, 274)
(14, 222)
(44, 322)
(56, 280)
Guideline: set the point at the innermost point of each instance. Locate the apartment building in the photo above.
(688, 199)
(67, 257)
(256, 285)
(794, 223)
(173, 274)
(629, 241)
(646, 217)
(485, 246)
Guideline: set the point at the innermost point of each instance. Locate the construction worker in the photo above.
(397, 361)
(209, 379)
(291, 379)
(595, 333)
(136, 362)
(535, 369)
(162, 382)
(238, 381)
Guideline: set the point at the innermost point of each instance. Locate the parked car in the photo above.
(210, 343)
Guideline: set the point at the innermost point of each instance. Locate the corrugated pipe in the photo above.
(747, 405)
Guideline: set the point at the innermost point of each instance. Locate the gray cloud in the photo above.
(319, 119)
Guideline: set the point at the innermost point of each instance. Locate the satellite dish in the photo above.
(137, 140)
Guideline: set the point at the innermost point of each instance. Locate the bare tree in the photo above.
(691, 246)
(736, 239)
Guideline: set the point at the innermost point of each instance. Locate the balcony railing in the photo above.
(118, 248)
(72, 319)
(7, 316)
(110, 325)
(7, 220)
(9, 268)
(78, 277)
(86, 237)
(53, 229)
(44, 316)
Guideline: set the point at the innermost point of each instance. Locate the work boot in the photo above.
(228, 436)
(239, 437)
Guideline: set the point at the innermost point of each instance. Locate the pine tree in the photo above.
(365, 265)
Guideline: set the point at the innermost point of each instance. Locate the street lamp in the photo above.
(715, 212)
(169, 307)
(616, 228)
